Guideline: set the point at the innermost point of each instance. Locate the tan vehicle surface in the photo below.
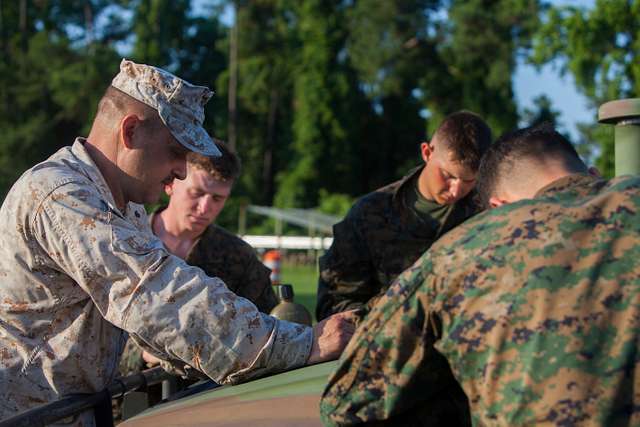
(288, 399)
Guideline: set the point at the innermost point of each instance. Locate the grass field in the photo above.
(304, 279)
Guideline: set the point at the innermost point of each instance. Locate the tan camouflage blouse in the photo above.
(77, 273)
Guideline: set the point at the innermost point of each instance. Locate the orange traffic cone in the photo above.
(272, 260)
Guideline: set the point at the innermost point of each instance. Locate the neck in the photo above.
(105, 160)
(422, 185)
(166, 227)
(538, 178)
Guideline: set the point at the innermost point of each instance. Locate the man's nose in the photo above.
(205, 204)
(455, 189)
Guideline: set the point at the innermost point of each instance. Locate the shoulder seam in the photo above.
(38, 207)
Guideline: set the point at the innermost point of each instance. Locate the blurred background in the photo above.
(323, 100)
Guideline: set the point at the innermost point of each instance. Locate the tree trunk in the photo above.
(233, 80)
(88, 22)
(268, 165)
(3, 44)
(23, 25)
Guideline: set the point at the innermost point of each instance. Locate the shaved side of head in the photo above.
(115, 104)
(520, 162)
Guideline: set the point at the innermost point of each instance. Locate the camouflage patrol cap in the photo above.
(180, 104)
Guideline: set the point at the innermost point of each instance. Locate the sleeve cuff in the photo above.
(290, 349)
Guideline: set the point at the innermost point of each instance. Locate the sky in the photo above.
(529, 83)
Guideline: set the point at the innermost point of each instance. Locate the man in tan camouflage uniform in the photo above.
(81, 267)
(535, 304)
(388, 229)
(186, 228)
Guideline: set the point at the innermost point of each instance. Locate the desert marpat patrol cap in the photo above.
(180, 104)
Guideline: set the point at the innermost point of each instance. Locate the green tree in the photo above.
(543, 112)
(266, 57)
(479, 49)
(159, 27)
(599, 47)
(318, 87)
(392, 45)
(50, 81)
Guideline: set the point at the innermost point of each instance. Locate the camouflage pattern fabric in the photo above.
(180, 104)
(535, 305)
(379, 238)
(224, 255)
(131, 361)
(79, 274)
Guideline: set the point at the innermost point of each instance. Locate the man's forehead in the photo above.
(443, 151)
(201, 179)
(452, 164)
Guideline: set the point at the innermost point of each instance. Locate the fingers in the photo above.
(348, 325)
(350, 316)
(331, 336)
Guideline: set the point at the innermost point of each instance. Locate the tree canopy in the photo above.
(599, 47)
(323, 100)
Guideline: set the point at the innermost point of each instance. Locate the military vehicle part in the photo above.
(287, 399)
(625, 115)
(288, 309)
(71, 405)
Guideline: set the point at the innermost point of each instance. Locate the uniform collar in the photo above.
(569, 182)
(91, 171)
(398, 199)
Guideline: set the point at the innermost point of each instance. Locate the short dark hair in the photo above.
(535, 143)
(223, 168)
(466, 136)
(115, 103)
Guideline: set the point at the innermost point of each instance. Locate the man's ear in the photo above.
(129, 125)
(426, 151)
(496, 202)
(168, 188)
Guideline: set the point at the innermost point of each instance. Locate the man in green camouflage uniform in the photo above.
(535, 304)
(186, 228)
(388, 229)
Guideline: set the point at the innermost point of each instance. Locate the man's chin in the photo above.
(197, 226)
(447, 200)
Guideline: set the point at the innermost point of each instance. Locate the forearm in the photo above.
(173, 308)
(197, 320)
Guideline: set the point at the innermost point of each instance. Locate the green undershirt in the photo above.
(426, 210)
